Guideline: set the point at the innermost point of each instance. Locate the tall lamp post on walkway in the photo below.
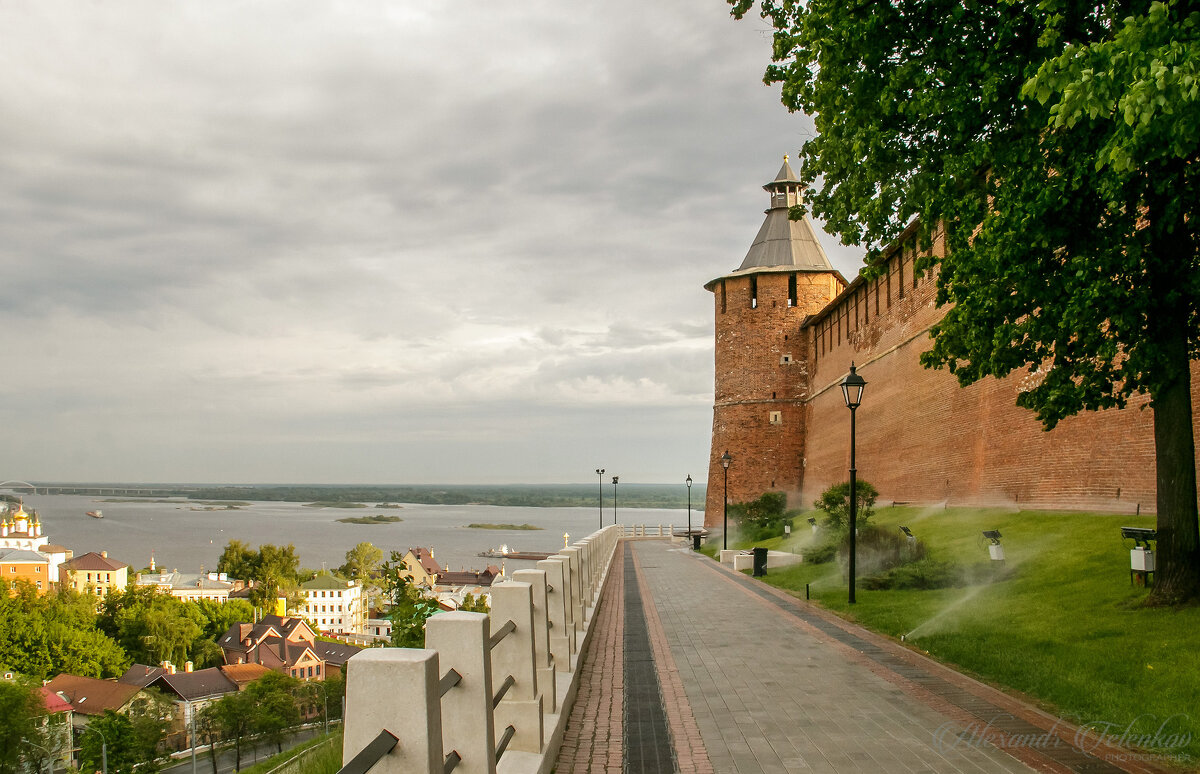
(725, 460)
(600, 473)
(689, 486)
(615, 479)
(852, 390)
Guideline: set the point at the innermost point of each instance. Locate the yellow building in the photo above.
(20, 565)
(420, 567)
(94, 573)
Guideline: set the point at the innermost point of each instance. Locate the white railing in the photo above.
(488, 693)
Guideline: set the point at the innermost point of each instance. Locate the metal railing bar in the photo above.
(504, 740)
(370, 755)
(452, 760)
(509, 682)
(449, 680)
(502, 632)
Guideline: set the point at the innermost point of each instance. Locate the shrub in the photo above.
(935, 574)
(762, 518)
(822, 552)
(835, 501)
(880, 549)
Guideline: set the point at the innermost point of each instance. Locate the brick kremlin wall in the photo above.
(923, 439)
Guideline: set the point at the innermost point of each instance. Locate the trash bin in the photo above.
(760, 562)
(695, 541)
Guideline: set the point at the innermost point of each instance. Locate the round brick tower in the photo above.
(761, 356)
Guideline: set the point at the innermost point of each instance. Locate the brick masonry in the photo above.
(921, 438)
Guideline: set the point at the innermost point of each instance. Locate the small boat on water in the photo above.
(504, 552)
(96, 514)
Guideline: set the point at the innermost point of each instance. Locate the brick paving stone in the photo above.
(751, 672)
(753, 681)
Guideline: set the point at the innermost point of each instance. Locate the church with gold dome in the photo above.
(26, 552)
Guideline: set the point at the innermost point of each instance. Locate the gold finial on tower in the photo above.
(785, 158)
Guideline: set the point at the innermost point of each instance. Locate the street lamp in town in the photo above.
(725, 460)
(600, 473)
(852, 391)
(615, 479)
(103, 749)
(689, 486)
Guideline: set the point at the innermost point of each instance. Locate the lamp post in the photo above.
(600, 473)
(725, 460)
(325, 702)
(49, 756)
(689, 486)
(191, 713)
(103, 749)
(852, 390)
(615, 479)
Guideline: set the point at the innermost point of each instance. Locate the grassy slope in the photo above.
(1065, 627)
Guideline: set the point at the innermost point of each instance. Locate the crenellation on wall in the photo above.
(922, 438)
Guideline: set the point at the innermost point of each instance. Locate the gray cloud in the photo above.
(372, 242)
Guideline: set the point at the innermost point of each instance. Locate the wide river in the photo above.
(182, 535)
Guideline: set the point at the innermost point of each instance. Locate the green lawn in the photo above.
(1063, 625)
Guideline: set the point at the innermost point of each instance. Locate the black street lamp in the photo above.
(689, 486)
(615, 478)
(600, 473)
(725, 460)
(852, 391)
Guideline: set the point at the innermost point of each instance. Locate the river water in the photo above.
(181, 535)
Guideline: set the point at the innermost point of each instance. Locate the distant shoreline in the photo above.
(356, 496)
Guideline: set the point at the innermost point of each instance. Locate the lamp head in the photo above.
(726, 459)
(615, 478)
(852, 388)
(600, 471)
(689, 480)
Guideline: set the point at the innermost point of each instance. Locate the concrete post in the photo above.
(461, 640)
(577, 611)
(395, 689)
(586, 556)
(522, 705)
(562, 633)
(542, 660)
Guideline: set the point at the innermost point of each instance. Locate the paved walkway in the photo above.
(747, 679)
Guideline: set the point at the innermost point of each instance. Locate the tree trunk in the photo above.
(1178, 559)
(1178, 575)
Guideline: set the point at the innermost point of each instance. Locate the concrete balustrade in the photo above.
(543, 660)
(461, 641)
(558, 605)
(441, 702)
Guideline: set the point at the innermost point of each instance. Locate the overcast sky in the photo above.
(373, 242)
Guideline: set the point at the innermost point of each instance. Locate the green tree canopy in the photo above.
(835, 501)
(363, 562)
(113, 737)
(275, 711)
(151, 625)
(232, 716)
(274, 569)
(1056, 142)
(409, 605)
(42, 635)
(21, 710)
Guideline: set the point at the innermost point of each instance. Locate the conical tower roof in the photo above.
(783, 243)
